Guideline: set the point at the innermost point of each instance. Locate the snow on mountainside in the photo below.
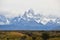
(30, 21)
(30, 14)
(3, 20)
(27, 17)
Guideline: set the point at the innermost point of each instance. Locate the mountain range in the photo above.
(30, 21)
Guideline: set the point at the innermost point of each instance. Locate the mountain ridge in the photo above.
(29, 15)
(31, 20)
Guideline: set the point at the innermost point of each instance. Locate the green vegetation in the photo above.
(29, 35)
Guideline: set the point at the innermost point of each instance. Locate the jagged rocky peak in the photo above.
(3, 20)
(30, 13)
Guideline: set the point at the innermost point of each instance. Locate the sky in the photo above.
(12, 8)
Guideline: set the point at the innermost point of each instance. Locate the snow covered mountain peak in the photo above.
(3, 20)
(30, 15)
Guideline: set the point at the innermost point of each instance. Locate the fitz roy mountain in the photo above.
(30, 20)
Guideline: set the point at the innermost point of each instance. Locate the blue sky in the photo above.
(16, 7)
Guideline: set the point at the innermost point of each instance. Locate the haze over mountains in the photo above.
(30, 21)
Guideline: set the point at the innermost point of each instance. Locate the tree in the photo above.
(45, 36)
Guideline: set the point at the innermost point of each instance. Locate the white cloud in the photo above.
(45, 7)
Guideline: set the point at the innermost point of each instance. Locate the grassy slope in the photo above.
(28, 35)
